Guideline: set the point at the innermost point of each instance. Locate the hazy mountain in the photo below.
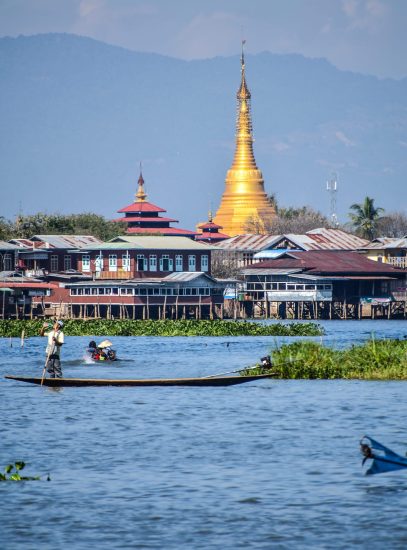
(78, 115)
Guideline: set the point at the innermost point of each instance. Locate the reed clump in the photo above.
(373, 360)
(181, 327)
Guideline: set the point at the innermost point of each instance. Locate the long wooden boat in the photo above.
(219, 381)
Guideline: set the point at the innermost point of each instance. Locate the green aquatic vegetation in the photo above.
(12, 473)
(373, 360)
(181, 327)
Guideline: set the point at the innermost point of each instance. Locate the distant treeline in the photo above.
(53, 224)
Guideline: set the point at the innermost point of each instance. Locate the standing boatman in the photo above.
(53, 349)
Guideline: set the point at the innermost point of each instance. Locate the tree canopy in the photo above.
(365, 217)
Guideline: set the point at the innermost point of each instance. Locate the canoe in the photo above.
(220, 381)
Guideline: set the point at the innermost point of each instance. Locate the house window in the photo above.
(178, 262)
(166, 263)
(126, 262)
(191, 262)
(153, 262)
(86, 262)
(94, 291)
(7, 262)
(67, 262)
(73, 292)
(112, 262)
(141, 263)
(204, 262)
(282, 286)
(54, 263)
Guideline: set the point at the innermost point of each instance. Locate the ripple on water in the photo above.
(272, 464)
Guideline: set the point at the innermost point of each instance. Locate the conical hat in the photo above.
(105, 344)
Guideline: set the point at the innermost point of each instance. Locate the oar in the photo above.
(230, 372)
(51, 350)
(251, 368)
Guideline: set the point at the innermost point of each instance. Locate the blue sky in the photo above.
(366, 36)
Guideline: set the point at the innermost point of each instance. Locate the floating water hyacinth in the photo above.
(180, 327)
(12, 473)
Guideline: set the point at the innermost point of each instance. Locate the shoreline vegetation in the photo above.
(95, 327)
(373, 360)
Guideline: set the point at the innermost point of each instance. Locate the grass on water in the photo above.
(373, 360)
(105, 327)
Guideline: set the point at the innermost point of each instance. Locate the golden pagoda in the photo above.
(244, 200)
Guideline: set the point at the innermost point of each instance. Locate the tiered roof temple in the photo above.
(143, 217)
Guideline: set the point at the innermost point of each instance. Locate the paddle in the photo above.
(233, 371)
(250, 368)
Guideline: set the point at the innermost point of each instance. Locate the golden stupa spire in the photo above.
(244, 199)
(141, 195)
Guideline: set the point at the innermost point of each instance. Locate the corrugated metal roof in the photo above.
(317, 239)
(270, 270)
(246, 242)
(329, 261)
(8, 246)
(66, 241)
(158, 243)
(336, 239)
(385, 243)
(185, 276)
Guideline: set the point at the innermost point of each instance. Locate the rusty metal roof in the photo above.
(383, 243)
(330, 262)
(66, 241)
(247, 242)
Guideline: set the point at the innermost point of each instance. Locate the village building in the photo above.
(18, 294)
(324, 284)
(243, 250)
(129, 277)
(144, 218)
(179, 295)
(43, 254)
(388, 250)
(132, 256)
(8, 256)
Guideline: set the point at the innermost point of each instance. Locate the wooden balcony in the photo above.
(119, 274)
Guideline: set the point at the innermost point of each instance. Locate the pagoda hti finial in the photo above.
(140, 196)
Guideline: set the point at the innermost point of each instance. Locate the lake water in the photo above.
(268, 464)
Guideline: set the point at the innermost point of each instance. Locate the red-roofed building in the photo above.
(209, 232)
(143, 217)
(326, 283)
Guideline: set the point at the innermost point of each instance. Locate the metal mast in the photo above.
(332, 188)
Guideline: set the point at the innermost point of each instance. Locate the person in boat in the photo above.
(105, 351)
(53, 349)
(92, 350)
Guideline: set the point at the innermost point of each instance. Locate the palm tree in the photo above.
(365, 217)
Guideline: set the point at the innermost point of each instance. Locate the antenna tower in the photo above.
(332, 188)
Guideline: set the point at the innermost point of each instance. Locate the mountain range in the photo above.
(78, 116)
